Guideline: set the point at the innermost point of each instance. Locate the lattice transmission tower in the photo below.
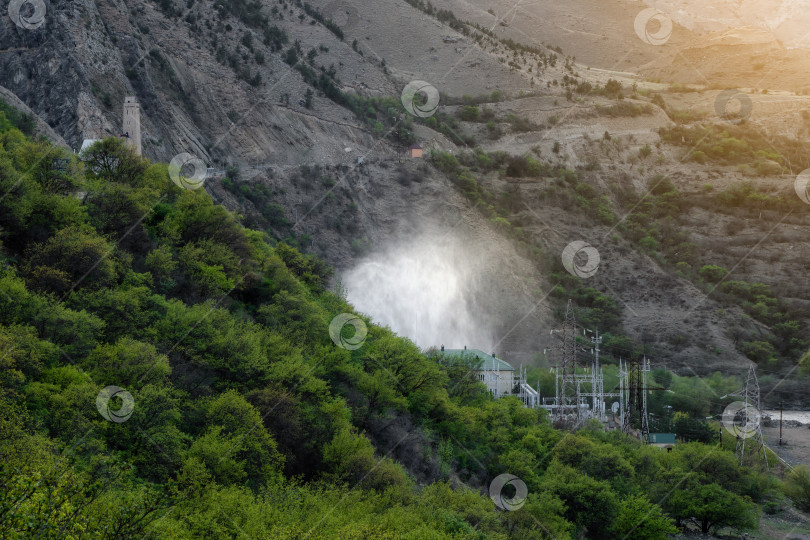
(568, 400)
(750, 419)
(633, 389)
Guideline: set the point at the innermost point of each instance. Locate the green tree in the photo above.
(591, 504)
(713, 273)
(759, 351)
(127, 363)
(708, 464)
(542, 516)
(797, 487)
(75, 257)
(162, 264)
(212, 266)
(466, 387)
(309, 269)
(63, 400)
(24, 356)
(351, 459)
(235, 446)
(804, 362)
(112, 160)
(154, 440)
(712, 507)
(194, 217)
(128, 310)
(691, 429)
(117, 209)
(13, 118)
(639, 519)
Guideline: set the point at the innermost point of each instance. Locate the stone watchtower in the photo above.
(132, 123)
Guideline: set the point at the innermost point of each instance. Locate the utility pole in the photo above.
(624, 397)
(597, 379)
(669, 418)
(599, 376)
(780, 423)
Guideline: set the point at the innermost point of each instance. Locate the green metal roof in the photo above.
(490, 362)
(662, 438)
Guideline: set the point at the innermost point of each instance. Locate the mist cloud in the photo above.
(427, 289)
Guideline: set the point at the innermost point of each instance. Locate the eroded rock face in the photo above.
(216, 85)
(334, 180)
(41, 128)
(55, 68)
(75, 69)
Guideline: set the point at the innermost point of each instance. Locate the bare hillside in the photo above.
(563, 118)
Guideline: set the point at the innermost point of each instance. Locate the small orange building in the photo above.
(415, 151)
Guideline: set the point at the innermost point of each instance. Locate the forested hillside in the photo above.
(297, 108)
(237, 415)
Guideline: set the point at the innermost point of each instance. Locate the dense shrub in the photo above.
(247, 418)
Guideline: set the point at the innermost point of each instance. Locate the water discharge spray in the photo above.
(427, 289)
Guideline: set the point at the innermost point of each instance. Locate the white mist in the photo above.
(427, 290)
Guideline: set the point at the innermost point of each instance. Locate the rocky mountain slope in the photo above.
(285, 101)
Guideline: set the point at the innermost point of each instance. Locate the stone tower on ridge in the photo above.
(132, 123)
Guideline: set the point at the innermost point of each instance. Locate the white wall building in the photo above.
(496, 374)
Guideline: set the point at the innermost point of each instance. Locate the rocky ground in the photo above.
(795, 449)
(75, 72)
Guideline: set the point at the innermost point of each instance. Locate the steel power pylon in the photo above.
(645, 420)
(624, 401)
(597, 393)
(578, 395)
(750, 396)
(633, 389)
(566, 380)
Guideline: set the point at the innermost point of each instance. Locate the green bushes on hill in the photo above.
(12, 118)
(738, 145)
(246, 418)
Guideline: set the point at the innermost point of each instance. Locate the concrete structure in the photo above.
(496, 374)
(132, 124)
(87, 143)
(415, 151)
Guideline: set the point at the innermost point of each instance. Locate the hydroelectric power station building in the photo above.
(498, 375)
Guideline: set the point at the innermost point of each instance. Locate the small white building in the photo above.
(87, 143)
(496, 374)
